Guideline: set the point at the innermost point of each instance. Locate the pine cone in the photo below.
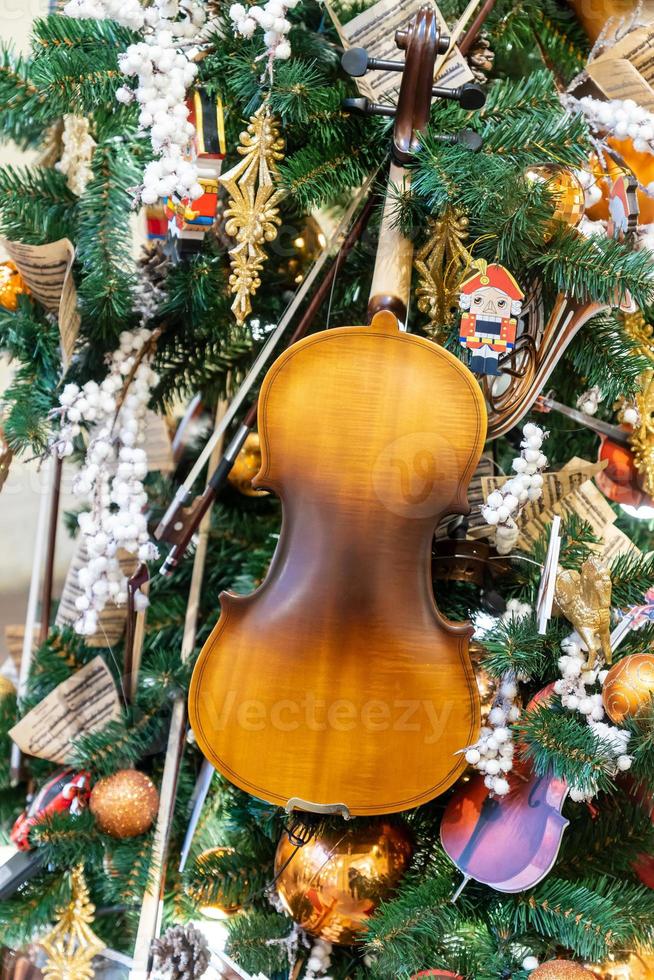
(154, 266)
(481, 57)
(182, 953)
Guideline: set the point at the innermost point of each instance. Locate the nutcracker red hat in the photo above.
(492, 275)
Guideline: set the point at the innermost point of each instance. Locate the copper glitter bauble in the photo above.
(436, 973)
(567, 194)
(334, 883)
(629, 686)
(212, 904)
(246, 466)
(12, 286)
(125, 804)
(560, 970)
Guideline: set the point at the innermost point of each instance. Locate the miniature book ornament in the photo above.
(491, 299)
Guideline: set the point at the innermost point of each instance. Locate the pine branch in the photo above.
(590, 919)
(257, 941)
(631, 576)
(559, 742)
(604, 355)
(36, 205)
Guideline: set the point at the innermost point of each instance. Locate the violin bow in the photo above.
(181, 520)
(150, 917)
(43, 557)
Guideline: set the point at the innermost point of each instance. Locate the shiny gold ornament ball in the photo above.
(12, 286)
(567, 194)
(333, 884)
(629, 686)
(211, 905)
(125, 804)
(246, 466)
(560, 970)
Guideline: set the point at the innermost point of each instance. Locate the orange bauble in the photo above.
(642, 165)
(12, 286)
(629, 686)
(125, 804)
(246, 466)
(560, 970)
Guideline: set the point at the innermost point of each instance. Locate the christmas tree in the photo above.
(258, 158)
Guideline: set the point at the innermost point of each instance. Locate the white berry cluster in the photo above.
(589, 401)
(629, 414)
(112, 476)
(129, 13)
(591, 185)
(622, 118)
(163, 68)
(78, 147)
(492, 755)
(271, 18)
(505, 503)
(319, 960)
(573, 689)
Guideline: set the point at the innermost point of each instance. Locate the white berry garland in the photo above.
(164, 70)
(572, 687)
(271, 18)
(112, 476)
(319, 960)
(622, 118)
(505, 503)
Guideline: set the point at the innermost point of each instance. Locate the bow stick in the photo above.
(150, 918)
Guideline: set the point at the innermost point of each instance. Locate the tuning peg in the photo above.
(466, 137)
(367, 108)
(356, 62)
(469, 96)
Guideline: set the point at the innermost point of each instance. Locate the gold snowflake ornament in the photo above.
(71, 944)
(252, 215)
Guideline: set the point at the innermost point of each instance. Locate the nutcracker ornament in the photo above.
(491, 300)
(189, 221)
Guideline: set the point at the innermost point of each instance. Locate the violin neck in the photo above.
(391, 281)
(613, 432)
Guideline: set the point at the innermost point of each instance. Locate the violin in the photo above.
(338, 686)
(620, 480)
(509, 842)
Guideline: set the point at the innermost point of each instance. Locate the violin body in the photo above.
(337, 684)
(511, 842)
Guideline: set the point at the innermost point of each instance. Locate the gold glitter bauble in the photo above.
(6, 686)
(560, 970)
(333, 884)
(634, 967)
(629, 686)
(246, 466)
(12, 286)
(125, 804)
(567, 194)
(212, 904)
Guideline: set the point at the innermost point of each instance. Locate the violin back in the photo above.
(338, 682)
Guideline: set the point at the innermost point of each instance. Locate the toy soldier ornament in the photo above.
(491, 299)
